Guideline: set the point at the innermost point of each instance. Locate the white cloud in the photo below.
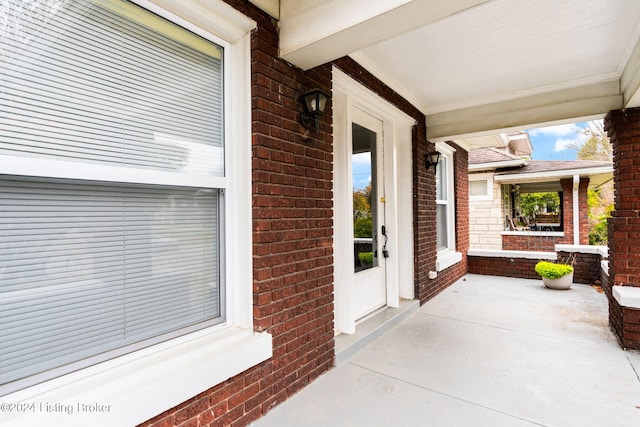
(361, 158)
(574, 140)
(559, 130)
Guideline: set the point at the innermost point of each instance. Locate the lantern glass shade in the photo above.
(315, 101)
(433, 159)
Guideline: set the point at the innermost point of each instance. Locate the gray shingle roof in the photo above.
(489, 155)
(555, 165)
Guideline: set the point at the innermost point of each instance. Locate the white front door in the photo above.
(372, 146)
(367, 183)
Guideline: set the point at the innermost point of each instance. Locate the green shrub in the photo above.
(551, 270)
(365, 257)
(362, 227)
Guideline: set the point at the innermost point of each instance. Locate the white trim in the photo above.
(576, 209)
(203, 17)
(533, 233)
(496, 253)
(583, 249)
(551, 175)
(343, 83)
(347, 95)
(133, 390)
(142, 384)
(52, 168)
(627, 296)
(496, 165)
(446, 258)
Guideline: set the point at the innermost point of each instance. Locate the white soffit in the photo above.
(476, 67)
(492, 140)
(315, 32)
(506, 49)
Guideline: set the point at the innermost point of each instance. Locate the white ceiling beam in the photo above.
(327, 30)
(630, 80)
(563, 106)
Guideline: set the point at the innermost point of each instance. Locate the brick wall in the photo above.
(522, 268)
(292, 242)
(623, 128)
(587, 267)
(425, 222)
(531, 242)
(424, 217)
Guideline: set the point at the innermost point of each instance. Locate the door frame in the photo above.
(398, 182)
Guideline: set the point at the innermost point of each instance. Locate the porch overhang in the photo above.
(598, 176)
(478, 67)
(567, 105)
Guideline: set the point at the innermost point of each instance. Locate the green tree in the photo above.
(362, 213)
(600, 201)
(597, 146)
(532, 203)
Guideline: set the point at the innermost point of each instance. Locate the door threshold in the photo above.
(371, 327)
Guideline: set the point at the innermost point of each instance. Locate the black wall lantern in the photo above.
(314, 101)
(433, 159)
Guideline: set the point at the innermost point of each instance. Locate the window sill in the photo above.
(136, 387)
(447, 258)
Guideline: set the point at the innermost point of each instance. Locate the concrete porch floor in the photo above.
(488, 351)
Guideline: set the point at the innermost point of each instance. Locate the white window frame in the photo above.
(488, 178)
(137, 386)
(447, 257)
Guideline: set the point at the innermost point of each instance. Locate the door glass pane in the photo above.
(363, 161)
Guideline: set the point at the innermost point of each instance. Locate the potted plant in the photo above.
(556, 275)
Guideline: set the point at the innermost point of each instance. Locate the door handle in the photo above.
(385, 252)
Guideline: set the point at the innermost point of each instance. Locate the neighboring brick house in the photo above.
(177, 246)
(498, 180)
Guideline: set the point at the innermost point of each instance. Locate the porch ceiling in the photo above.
(475, 67)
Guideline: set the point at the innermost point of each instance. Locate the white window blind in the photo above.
(92, 269)
(82, 83)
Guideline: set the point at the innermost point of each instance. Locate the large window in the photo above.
(445, 209)
(112, 154)
(527, 208)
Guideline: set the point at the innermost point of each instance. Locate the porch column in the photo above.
(623, 287)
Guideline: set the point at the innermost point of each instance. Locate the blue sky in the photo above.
(552, 143)
(549, 143)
